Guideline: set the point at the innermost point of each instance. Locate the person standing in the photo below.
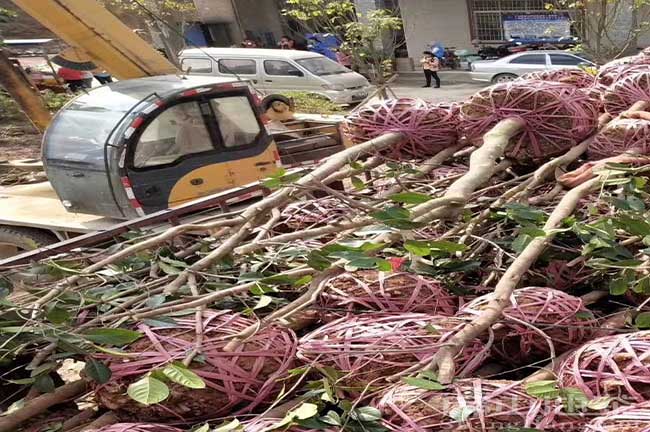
(431, 66)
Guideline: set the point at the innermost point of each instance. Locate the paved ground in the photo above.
(448, 92)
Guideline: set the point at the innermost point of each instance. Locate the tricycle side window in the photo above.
(176, 132)
(237, 121)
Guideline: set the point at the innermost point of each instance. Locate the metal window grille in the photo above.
(488, 15)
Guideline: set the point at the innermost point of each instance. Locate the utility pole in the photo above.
(16, 83)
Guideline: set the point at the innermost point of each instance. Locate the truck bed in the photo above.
(37, 205)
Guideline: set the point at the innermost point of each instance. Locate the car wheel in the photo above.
(501, 78)
(15, 240)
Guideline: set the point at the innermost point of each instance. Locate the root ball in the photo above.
(632, 88)
(428, 128)
(557, 117)
(634, 418)
(236, 381)
(621, 136)
(574, 77)
(138, 427)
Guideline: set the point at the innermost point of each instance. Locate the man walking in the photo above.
(431, 66)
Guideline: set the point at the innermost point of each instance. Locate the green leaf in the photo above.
(57, 315)
(410, 198)
(23, 381)
(263, 302)
(633, 226)
(305, 411)
(618, 286)
(44, 384)
(148, 391)
(461, 414)
(161, 322)
(178, 373)
(331, 418)
(357, 183)
(417, 248)
(383, 265)
(303, 281)
(574, 399)
(642, 320)
(113, 337)
(259, 289)
(173, 262)
(233, 425)
(204, 428)
(423, 383)
(318, 261)
(600, 403)
(168, 269)
(520, 243)
(97, 371)
(542, 389)
(365, 414)
(156, 300)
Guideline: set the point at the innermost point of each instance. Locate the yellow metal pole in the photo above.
(28, 98)
(109, 43)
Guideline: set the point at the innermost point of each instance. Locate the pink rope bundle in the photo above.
(138, 427)
(575, 77)
(312, 214)
(369, 348)
(428, 128)
(557, 116)
(621, 136)
(617, 366)
(237, 380)
(266, 425)
(491, 406)
(632, 88)
(381, 292)
(635, 418)
(531, 311)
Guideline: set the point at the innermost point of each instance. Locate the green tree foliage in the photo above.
(608, 28)
(370, 39)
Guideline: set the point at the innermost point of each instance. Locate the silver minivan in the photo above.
(278, 71)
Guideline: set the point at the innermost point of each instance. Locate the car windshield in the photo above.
(322, 66)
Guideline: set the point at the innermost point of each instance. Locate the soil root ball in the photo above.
(615, 366)
(634, 418)
(621, 136)
(575, 77)
(618, 69)
(560, 316)
(428, 128)
(486, 406)
(632, 88)
(369, 348)
(384, 292)
(138, 427)
(557, 116)
(236, 381)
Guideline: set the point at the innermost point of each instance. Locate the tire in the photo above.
(15, 240)
(268, 100)
(504, 77)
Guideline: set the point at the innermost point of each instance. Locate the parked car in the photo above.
(513, 66)
(278, 71)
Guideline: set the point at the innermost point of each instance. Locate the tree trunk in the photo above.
(23, 92)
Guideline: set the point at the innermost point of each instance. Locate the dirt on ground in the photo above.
(19, 140)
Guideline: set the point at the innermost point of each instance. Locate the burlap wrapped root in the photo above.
(557, 116)
(370, 348)
(620, 136)
(236, 381)
(635, 418)
(535, 320)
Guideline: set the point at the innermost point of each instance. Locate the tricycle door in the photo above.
(187, 151)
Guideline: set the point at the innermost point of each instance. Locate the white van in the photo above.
(278, 71)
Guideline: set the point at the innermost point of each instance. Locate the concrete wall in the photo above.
(446, 21)
(260, 17)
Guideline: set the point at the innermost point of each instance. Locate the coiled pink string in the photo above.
(575, 77)
(138, 427)
(635, 418)
(621, 136)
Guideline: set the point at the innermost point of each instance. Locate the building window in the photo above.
(488, 16)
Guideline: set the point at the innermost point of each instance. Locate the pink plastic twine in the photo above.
(382, 292)
(369, 348)
(575, 77)
(557, 116)
(615, 70)
(489, 406)
(534, 312)
(428, 128)
(634, 418)
(263, 424)
(617, 366)
(312, 214)
(621, 95)
(621, 136)
(240, 379)
(138, 427)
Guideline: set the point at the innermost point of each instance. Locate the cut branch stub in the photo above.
(556, 116)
